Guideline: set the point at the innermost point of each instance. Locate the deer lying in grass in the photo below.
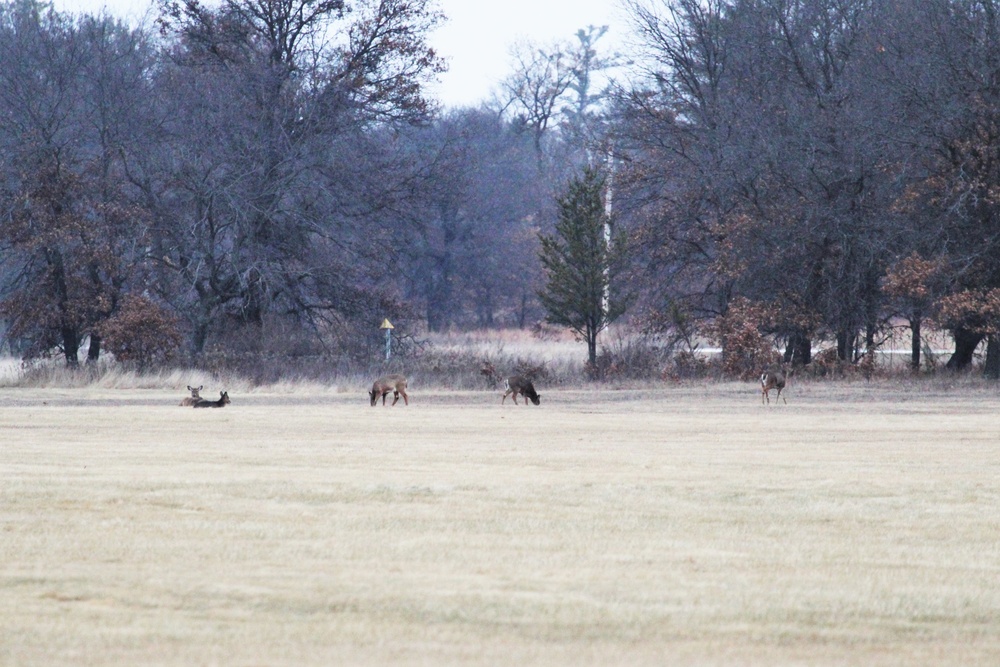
(394, 383)
(221, 403)
(773, 379)
(517, 384)
(194, 397)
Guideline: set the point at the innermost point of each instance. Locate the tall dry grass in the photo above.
(449, 361)
(456, 361)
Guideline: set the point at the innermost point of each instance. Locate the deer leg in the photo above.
(395, 397)
(406, 399)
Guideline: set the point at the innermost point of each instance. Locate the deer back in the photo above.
(385, 384)
(774, 377)
(221, 403)
(518, 384)
(194, 397)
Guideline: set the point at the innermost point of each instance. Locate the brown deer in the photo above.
(517, 384)
(773, 379)
(394, 383)
(221, 403)
(194, 397)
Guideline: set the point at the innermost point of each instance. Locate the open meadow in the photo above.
(682, 524)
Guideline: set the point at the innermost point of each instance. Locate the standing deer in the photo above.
(773, 379)
(517, 384)
(221, 403)
(394, 383)
(194, 397)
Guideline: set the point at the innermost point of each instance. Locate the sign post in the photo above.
(387, 325)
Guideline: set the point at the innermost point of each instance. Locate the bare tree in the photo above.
(759, 161)
(471, 252)
(533, 90)
(73, 238)
(948, 108)
(275, 153)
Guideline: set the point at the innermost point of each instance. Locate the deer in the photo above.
(517, 384)
(193, 398)
(394, 383)
(773, 379)
(221, 403)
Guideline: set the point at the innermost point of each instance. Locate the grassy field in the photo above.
(857, 525)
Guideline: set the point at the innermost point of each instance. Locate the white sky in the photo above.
(475, 40)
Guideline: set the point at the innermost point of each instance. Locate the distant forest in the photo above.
(272, 177)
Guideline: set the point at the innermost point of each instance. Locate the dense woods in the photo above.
(268, 177)
(824, 166)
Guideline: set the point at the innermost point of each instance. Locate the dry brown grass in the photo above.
(858, 525)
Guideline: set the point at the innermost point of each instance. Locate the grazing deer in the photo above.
(517, 384)
(394, 383)
(773, 379)
(221, 403)
(194, 397)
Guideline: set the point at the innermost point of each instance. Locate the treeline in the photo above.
(265, 177)
(813, 169)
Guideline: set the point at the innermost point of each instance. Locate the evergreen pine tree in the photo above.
(581, 264)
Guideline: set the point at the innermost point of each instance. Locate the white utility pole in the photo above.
(387, 326)
(609, 190)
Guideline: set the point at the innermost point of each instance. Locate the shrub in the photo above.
(745, 350)
(468, 369)
(685, 365)
(141, 333)
(631, 358)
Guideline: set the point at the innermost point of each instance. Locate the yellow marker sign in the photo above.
(386, 324)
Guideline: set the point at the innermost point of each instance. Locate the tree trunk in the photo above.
(915, 342)
(592, 346)
(484, 308)
(991, 368)
(870, 331)
(845, 345)
(798, 352)
(199, 337)
(70, 336)
(94, 351)
(439, 298)
(71, 346)
(966, 343)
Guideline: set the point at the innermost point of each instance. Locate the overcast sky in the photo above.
(476, 38)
